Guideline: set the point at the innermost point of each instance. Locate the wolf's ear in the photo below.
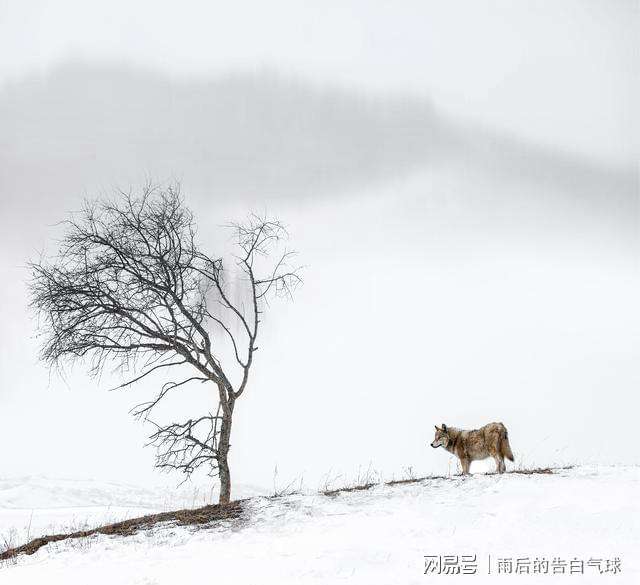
(444, 427)
(437, 428)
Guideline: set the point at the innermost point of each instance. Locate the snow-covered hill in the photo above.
(382, 535)
(44, 492)
(34, 505)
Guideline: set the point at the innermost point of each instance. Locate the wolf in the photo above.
(491, 440)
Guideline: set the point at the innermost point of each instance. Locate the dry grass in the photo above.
(198, 516)
(410, 480)
(365, 480)
(352, 488)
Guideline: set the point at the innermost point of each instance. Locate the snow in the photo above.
(35, 505)
(378, 536)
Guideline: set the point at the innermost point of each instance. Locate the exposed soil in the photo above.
(198, 516)
(366, 486)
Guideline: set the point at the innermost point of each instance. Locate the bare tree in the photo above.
(131, 288)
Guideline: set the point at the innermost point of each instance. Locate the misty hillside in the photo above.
(380, 535)
(260, 138)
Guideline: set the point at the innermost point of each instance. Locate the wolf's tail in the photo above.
(505, 448)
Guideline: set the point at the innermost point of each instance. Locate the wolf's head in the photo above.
(442, 437)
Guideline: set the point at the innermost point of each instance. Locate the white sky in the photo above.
(457, 293)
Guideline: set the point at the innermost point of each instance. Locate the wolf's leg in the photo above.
(500, 467)
(465, 466)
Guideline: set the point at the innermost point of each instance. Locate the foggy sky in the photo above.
(461, 182)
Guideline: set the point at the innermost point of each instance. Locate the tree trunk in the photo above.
(223, 454)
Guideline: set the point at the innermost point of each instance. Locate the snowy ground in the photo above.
(380, 536)
(32, 506)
